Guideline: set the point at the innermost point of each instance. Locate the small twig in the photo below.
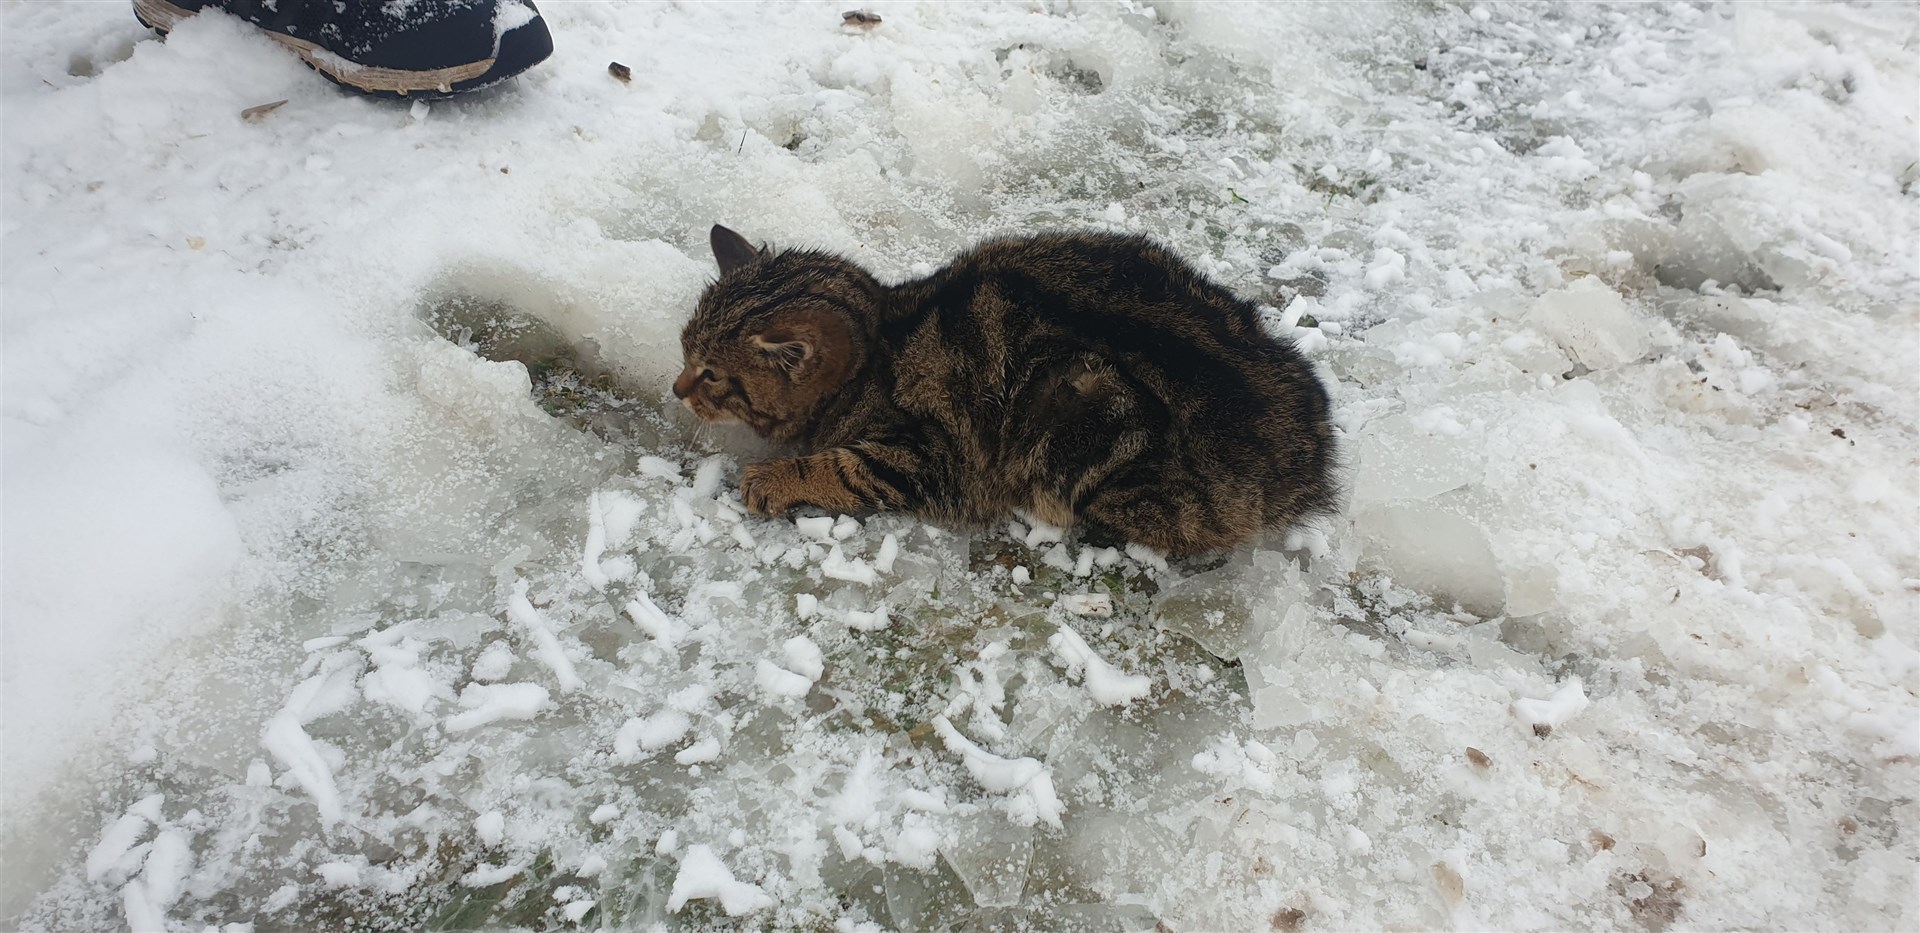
(256, 114)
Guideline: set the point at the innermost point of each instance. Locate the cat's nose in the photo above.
(683, 386)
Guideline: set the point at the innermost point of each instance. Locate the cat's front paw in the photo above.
(771, 487)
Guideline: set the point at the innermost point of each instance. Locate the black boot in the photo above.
(417, 48)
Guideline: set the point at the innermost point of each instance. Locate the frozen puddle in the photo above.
(697, 714)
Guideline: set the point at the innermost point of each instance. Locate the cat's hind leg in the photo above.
(1153, 502)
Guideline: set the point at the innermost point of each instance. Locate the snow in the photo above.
(491, 703)
(316, 573)
(1087, 604)
(1543, 716)
(546, 647)
(1025, 780)
(490, 827)
(338, 874)
(1107, 685)
(803, 657)
(494, 663)
(838, 566)
(780, 682)
(702, 875)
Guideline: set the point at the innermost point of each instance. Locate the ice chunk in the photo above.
(139, 910)
(702, 875)
(991, 858)
(659, 467)
(1057, 558)
(870, 621)
(1087, 604)
(1207, 607)
(839, 566)
(1043, 533)
(650, 734)
(169, 863)
(803, 657)
(1083, 563)
(325, 692)
(650, 619)
(1147, 556)
(706, 477)
(1357, 841)
(1106, 684)
(594, 545)
(1295, 663)
(1396, 460)
(115, 842)
(889, 551)
(486, 875)
(707, 748)
(778, 681)
(603, 814)
(338, 874)
(817, 527)
(546, 646)
(490, 827)
(1590, 321)
(1543, 716)
(406, 688)
(1026, 782)
(488, 703)
(1432, 547)
(916, 844)
(494, 663)
(295, 750)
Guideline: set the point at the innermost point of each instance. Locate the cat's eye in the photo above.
(708, 375)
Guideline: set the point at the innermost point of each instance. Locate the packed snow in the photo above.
(361, 573)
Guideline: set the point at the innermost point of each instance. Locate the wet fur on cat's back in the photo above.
(1078, 377)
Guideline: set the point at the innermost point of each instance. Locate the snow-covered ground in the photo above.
(323, 610)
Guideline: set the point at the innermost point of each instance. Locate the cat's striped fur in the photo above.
(1079, 377)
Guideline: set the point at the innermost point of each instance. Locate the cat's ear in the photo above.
(805, 343)
(789, 346)
(731, 250)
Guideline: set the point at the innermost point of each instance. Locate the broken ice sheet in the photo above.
(1211, 607)
(990, 855)
(1590, 321)
(1437, 547)
(1396, 459)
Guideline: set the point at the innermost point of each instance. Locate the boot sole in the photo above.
(163, 16)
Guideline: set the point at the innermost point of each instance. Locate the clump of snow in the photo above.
(702, 875)
(1025, 781)
(490, 703)
(1107, 685)
(1543, 716)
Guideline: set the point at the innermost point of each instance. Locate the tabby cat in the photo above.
(1083, 378)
